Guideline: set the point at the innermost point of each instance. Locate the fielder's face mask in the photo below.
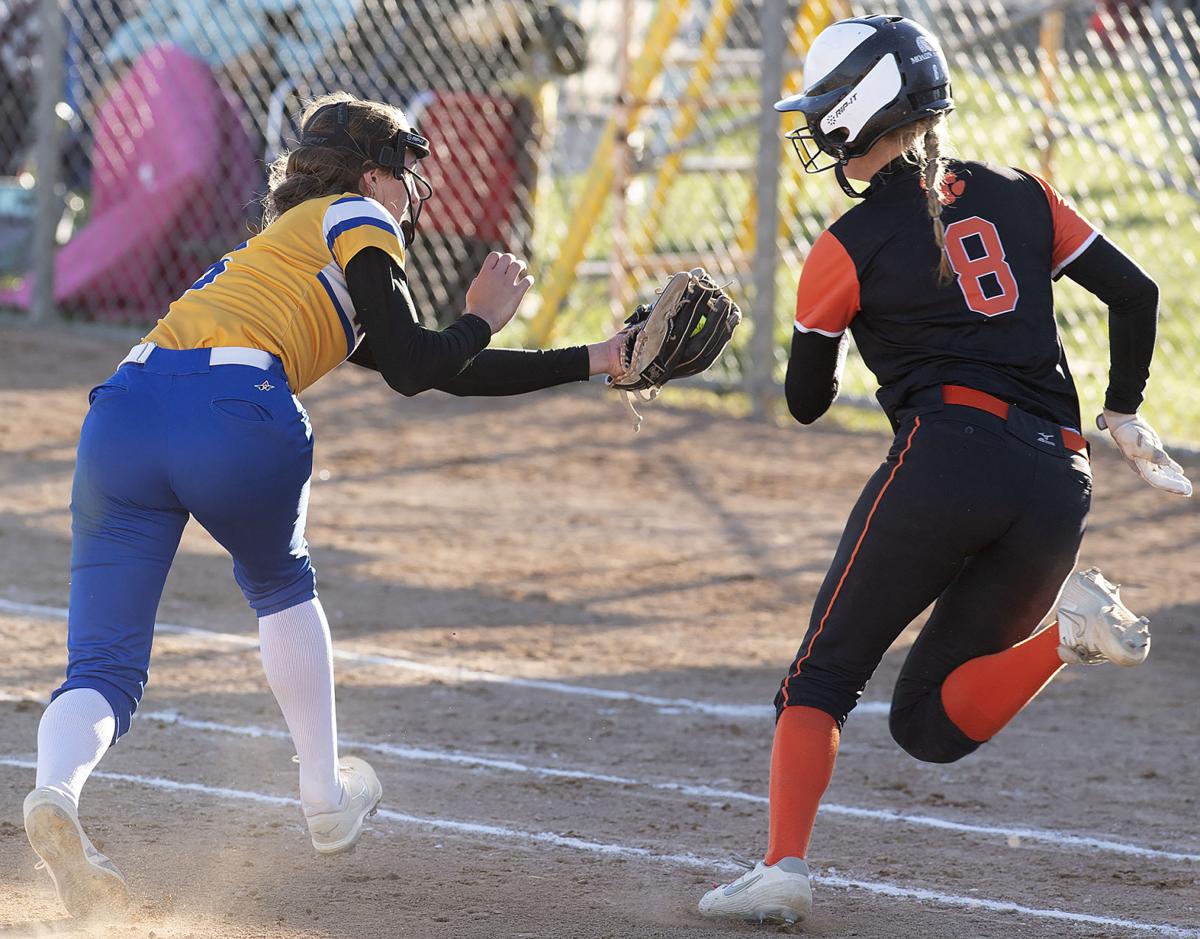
(400, 155)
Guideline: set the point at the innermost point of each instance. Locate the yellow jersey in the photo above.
(284, 290)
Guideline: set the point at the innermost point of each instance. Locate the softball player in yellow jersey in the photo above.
(201, 420)
(277, 291)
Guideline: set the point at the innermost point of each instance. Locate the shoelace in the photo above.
(740, 862)
(647, 397)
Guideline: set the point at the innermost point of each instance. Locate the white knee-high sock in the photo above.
(297, 656)
(75, 731)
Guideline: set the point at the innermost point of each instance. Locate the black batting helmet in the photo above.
(864, 77)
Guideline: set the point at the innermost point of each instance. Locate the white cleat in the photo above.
(1095, 626)
(339, 830)
(775, 893)
(88, 883)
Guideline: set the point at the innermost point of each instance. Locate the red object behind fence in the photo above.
(481, 147)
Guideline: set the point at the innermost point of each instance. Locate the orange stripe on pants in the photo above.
(850, 563)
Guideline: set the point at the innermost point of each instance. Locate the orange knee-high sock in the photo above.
(806, 742)
(984, 694)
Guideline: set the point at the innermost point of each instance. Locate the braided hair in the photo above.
(923, 144)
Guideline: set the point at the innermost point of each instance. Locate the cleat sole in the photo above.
(85, 889)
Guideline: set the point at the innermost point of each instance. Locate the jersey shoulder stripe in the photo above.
(341, 228)
(356, 222)
(360, 209)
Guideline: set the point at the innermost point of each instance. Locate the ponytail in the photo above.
(308, 173)
(933, 170)
(922, 144)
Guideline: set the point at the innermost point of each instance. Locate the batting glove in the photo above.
(1143, 449)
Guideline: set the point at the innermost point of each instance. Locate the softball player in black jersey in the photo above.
(943, 273)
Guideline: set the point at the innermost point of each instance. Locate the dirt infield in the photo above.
(559, 657)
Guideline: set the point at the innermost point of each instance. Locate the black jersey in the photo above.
(992, 327)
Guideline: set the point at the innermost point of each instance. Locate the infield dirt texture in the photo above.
(487, 566)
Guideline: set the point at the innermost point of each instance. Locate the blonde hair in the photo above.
(314, 171)
(923, 143)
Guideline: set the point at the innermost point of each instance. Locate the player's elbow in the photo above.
(1139, 292)
(1148, 289)
(813, 374)
(807, 402)
(807, 412)
(405, 384)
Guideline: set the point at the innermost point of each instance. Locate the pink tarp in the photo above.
(173, 169)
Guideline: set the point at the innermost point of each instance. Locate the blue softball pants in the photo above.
(163, 440)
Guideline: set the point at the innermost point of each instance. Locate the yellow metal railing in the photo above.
(599, 177)
(685, 121)
(812, 17)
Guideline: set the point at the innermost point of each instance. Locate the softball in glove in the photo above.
(680, 334)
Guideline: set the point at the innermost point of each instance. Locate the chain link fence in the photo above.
(612, 141)
(170, 109)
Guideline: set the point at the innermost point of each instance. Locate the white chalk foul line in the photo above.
(1031, 834)
(608, 849)
(920, 894)
(456, 673)
(512, 765)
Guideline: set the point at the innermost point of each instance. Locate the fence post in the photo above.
(620, 260)
(766, 243)
(1050, 44)
(48, 155)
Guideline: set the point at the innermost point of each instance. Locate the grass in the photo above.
(996, 121)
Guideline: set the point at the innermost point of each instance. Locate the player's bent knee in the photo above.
(280, 592)
(122, 696)
(927, 734)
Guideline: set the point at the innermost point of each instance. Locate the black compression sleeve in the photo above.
(364, 356)
(1132, 299)
(497, 372)
(378, 284)
(814, 372)
(410, 357)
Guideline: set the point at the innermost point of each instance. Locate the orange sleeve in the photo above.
(827, 298)
(1072, 232)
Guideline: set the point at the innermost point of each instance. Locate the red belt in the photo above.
(982, 401)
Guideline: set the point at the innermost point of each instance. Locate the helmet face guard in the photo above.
(419, 191)
(810, 151)
(809, 141)
(864, 78)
